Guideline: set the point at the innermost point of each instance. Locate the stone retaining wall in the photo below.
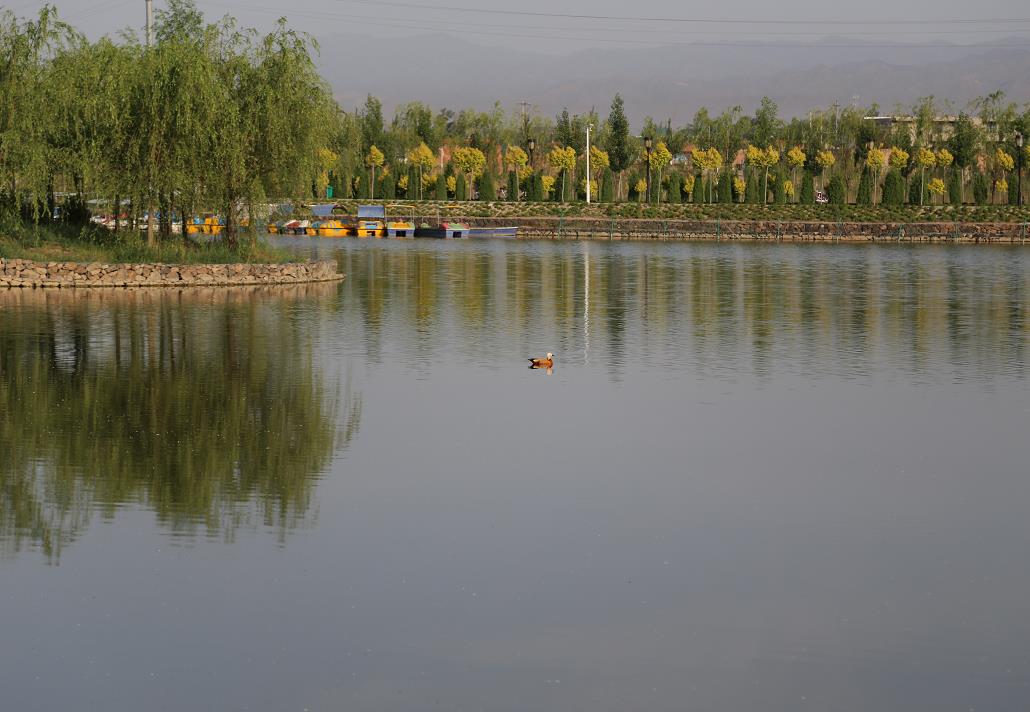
(578, 228)
(26, 273)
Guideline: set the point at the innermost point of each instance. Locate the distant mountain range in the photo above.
(672, 82)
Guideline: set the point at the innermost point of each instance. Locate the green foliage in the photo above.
(616, 141)
(807, 188)
(751, 194)
(441, 187)
(981, 188)
(1013, 196)
(915, 186)
(460, 191)
(893, 188)
(487, 187)
(964, 142)
(726, 187)
(836, 191)
(389, 187)
(955, 187)
(513, 185)
(608, 186)
(700, 194)
(363, 191)
(674, 190)
(865, 188)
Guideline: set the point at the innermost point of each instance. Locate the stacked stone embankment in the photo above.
(27, 273)
(577, 228)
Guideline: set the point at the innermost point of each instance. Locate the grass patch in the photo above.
(67, 243)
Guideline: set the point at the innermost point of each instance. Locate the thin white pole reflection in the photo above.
(586, 301)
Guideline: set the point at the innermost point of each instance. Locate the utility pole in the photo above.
(1019, 169)
(589, 126)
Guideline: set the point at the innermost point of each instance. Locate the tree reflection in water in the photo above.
(207, 407)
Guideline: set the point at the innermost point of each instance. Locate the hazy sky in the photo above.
(795, 21)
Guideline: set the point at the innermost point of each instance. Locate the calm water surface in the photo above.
(759, 478)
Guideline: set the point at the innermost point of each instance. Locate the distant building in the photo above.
(943, 126)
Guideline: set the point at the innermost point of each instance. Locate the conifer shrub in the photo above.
(726, 187)
(674, 191)
(955, 188)
(807, 189)
(893, 189)
(607, 186)
(980, 188)
(865, 188)
(836, 191)
(487, 188)
(752, 191)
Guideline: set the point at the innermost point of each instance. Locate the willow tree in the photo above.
(26, 52)
(277, 114)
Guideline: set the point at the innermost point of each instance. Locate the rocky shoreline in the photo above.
(27, 273)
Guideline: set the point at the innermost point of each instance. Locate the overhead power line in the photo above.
(713, 21)
(391, 23)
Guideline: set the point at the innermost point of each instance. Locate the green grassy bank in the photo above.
(68, 243)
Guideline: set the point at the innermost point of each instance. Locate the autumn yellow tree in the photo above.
(374, 158)
(598, 161)
(925, 158)
(740, 187)
(825, 160)
(936, 188)
(899, 158)
(422, 157)
(1004, 163)
(516, 159)
(471, 162)
(796, 159)
(688, 184)
(875, 163)
(765, 159)
(564, 161)
(641, 188)
(714, 161)
(659, 159)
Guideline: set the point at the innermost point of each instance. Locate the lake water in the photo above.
(758, 478)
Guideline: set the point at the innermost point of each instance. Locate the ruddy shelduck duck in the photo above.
(542, 362)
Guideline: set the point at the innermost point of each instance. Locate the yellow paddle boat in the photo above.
(371, 221)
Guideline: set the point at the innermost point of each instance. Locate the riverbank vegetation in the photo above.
(212, 118)
(62, 242)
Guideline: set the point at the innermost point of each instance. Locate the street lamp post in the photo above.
(648, 145)
(1019, 169)
(531, 186)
